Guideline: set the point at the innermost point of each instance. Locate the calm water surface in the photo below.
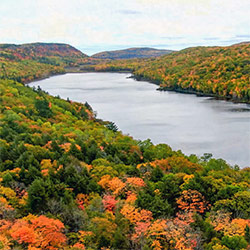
(193, 124)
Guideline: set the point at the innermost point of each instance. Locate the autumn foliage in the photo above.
(192, 201)
(69, 181)
(39, 232)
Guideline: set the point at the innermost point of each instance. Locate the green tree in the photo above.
(43, 108)
(37, 196)
(234, 242)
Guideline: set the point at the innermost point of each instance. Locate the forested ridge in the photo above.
(71, 181)
(131, 53)
(28, 62)
(216, 71)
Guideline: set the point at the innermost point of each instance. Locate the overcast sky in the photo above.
(97, 25)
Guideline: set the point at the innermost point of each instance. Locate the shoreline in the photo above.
(189, 92)
(44, 77)
(139, 78)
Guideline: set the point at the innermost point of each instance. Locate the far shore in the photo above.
(90, 69)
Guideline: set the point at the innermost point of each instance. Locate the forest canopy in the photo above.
(71, 181)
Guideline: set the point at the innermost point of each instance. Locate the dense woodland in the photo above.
(216, 71)
(27, 62)
(71, 181)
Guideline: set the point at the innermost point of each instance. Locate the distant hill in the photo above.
(131, 53)
(38, 50)
(37, 60)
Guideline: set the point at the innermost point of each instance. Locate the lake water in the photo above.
(196, 125)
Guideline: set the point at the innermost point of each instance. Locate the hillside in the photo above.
(131, 53)
(38, 50)
(215, 71)
(26, 62)
(69, 181)
(218, 71)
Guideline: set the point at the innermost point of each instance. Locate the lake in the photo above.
(196, 125)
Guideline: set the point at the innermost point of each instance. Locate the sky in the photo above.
(97, 25)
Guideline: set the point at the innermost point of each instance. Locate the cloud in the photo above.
(231, 41)
(129, 12)
(172, 37)
(97, 24)
(211, 38)
(243, 36)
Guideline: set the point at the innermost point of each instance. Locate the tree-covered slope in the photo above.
(217, 71)
(27, 62)
(220, 71)
(38, 50)
(131, 53)
(70, 181)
